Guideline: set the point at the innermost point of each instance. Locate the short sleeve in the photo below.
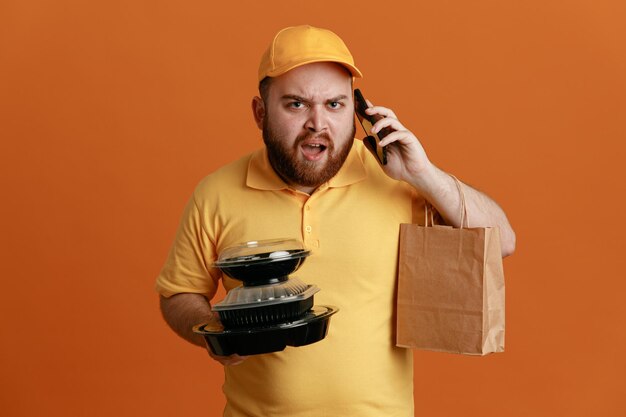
(188, 265)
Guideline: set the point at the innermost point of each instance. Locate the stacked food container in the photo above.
(271, 310)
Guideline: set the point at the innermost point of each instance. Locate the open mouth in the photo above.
(313, 151)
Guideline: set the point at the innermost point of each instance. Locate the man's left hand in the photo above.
(406, 158)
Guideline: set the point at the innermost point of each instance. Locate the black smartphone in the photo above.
(367, 121)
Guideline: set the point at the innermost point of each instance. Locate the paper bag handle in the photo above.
(464, 216)
(428, 213)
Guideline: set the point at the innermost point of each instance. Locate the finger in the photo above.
(233, 359)
(397, 136)
(387, 122)
(383, 111)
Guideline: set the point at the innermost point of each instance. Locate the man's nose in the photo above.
(316, 120)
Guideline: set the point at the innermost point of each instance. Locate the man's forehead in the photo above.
(319, 80)
(315, 93)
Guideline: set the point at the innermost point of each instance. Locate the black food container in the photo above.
(271, 310)
(265, 314)
(310, 328)
(262, 262)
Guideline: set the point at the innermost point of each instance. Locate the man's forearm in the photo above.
(183, 311)
(440, 189)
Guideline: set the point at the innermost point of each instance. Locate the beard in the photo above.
(296, 171)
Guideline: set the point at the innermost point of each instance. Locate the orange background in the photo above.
(111, 112)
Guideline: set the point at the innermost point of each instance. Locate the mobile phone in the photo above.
(367, 121)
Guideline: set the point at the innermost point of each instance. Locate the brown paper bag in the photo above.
(450, 288)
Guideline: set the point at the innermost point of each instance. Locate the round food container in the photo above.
(310, 328)
(262, 262)
(265, 304)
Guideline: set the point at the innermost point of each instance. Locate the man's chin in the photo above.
(313, 178)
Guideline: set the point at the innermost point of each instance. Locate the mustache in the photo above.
(309, 135)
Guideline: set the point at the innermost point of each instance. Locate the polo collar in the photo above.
(262, 176)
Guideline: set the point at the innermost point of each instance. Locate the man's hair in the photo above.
(264, 87)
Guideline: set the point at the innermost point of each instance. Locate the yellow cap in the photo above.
(300, 45)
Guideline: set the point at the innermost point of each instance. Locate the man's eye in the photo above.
(334, 104)
(296, 104)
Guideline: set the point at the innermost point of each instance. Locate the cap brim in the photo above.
(280, 71)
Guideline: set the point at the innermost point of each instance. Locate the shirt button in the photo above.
(308, 229)
(307, 208)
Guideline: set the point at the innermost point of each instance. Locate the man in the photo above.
(314, 182)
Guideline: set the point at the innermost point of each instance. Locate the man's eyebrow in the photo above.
(299, 98)
(293, 97)
(338, 98)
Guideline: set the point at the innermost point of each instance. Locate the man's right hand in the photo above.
(185, 310)
(214, 322)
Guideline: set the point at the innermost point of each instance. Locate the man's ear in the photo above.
(258, 111)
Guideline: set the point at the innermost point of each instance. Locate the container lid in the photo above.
(261, 251)
(261, 295)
